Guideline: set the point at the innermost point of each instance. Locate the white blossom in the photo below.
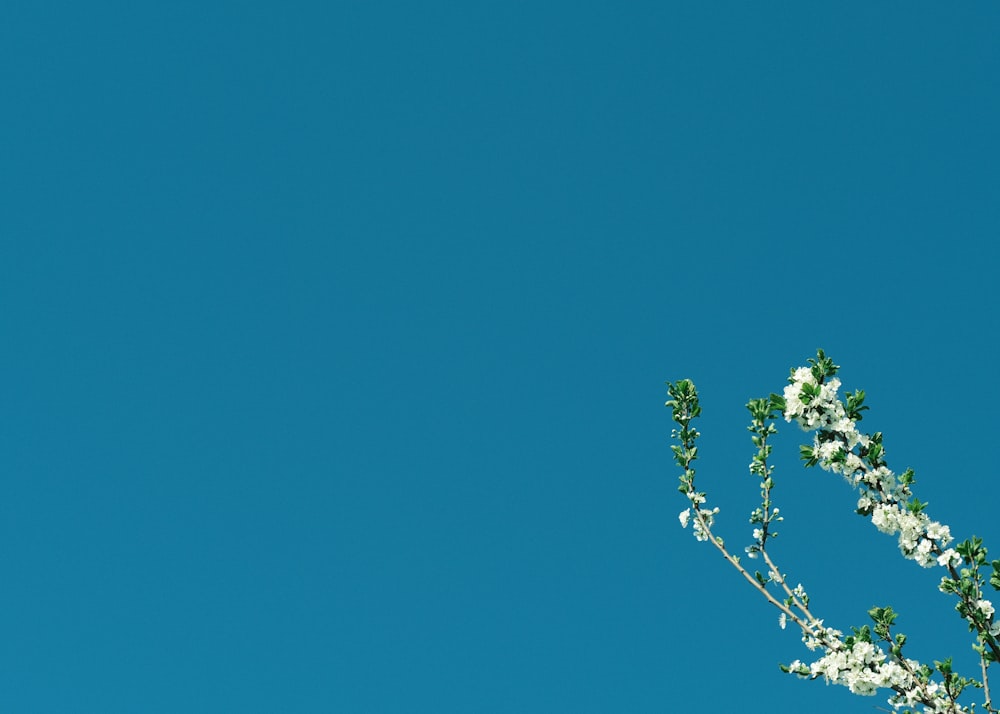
(852, 463)
(886, 518)
(701, 524)
(940, 533)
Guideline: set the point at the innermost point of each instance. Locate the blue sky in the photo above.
(335, 338)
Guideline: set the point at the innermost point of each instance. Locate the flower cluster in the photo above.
(811, 401)
(813, 404)
(703, 521)
(862, 668)
(918, 535)
(859, 664)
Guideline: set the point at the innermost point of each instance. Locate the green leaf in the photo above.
(806, 454)
(944, 667)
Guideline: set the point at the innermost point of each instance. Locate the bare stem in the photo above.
(806, 624)
(988, 704)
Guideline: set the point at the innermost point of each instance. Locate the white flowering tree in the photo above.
(872, 657)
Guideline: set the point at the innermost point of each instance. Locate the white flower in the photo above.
(986, 607)
(782, 621)
(701, 525)
(865, 652)
(894, 675)
(826, 452)
(684, 516)
(853, 463)
(804, 374)
(938, 532)
(859, 684)
(885, 518)
(798, 669)
(949, 557)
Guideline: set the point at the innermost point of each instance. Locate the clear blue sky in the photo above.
(335, 338)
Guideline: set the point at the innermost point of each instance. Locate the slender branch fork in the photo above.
(806, 621)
